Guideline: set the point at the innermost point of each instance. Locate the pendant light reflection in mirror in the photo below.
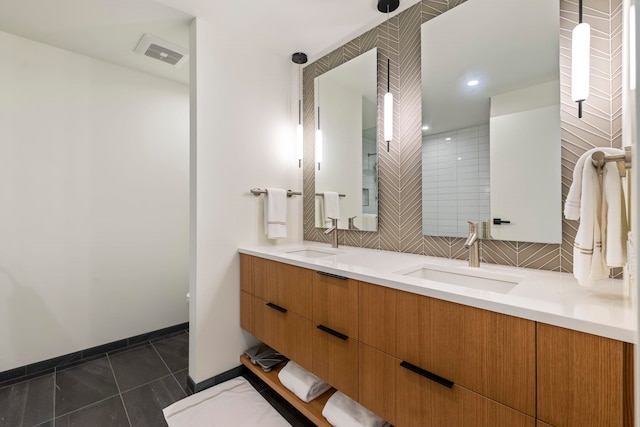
(299, 58)
(580, 47)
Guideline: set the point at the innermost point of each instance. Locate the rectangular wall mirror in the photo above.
(346, 114)
(491, 121)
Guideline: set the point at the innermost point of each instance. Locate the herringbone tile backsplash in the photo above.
(400, 179)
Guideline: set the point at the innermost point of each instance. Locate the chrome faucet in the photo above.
(351, 226)
(333, 229)
(473, 245)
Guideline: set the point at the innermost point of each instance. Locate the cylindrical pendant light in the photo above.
(580, 53)
(388, 110)
(299, 58)
(388, 6)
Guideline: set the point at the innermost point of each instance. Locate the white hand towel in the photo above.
(588, 259)
(572, 204)
(301, 382)
(275, 213)
(342, 411)
(331, 206)
(319, 212)
(614, 218)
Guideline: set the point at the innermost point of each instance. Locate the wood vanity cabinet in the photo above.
(583, 379)
(335, 337)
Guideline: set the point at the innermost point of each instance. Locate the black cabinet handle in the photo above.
(277, 307)
(332, 332)
(335, 276)
(498, 221)
(430, 375)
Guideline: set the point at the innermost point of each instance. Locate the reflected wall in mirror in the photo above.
(346, 111)
(491, 121)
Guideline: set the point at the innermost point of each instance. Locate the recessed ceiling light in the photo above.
(459, 158)
(425, 127)
(447, 139)
(472, 83)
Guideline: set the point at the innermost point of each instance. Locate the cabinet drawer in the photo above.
(335, 360)
(489, 353)
(424, 402)
(287, 332)
(335, 303)
(581, 379)
(285, 285)
(377, 317)
(245, 312)
(377, 382)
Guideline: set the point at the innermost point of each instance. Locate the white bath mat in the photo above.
(234, 403)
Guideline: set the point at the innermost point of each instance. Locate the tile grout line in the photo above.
(119, 392)
(169, 369)
(89, 405)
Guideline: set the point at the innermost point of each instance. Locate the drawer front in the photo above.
(489, 353)
(285, 285)
(335, 360)
(245, 312)
(335, 304)
(377, 382)
(245, 273)
(377, 317)
(424, 402)
(287, 332)
(580, 378)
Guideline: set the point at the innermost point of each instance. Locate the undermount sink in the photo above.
(313, 253)
(468, 277)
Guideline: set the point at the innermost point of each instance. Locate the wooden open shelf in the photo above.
(312, 410)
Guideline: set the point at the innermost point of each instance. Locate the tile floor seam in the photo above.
(87, 406)
(147, 383)
(113, 372)
(169, 369)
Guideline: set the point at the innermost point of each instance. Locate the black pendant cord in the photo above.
(579, 11)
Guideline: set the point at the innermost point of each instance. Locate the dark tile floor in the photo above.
(127, 388)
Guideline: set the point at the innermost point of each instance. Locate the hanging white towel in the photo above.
(320, 216)
(614, 217)
(572, 204)
(331, 206)
(275, 213)
(342, 411)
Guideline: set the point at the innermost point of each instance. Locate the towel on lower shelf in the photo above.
(275, 213)
(301, 382)
(342, 411)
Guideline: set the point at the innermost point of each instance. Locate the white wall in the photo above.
(242, 129)
(93, 202)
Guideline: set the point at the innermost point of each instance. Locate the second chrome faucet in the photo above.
(333, 229)
(473, 245)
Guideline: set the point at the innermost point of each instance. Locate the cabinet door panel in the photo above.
(336, 361)
(478, 411)
(245, 312)
(288, 333)
(335, 304)
(377, 382)
(377, 317)
(580, 378)
(245, 273)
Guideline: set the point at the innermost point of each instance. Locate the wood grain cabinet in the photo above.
(420, 361)
(583, 380)
(335, 338)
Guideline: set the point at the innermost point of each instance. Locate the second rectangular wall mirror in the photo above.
(491, 120)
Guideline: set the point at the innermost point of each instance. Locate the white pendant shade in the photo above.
(299, 142)
(580, 48)
(388, 117)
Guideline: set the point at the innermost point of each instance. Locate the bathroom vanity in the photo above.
(428, 341)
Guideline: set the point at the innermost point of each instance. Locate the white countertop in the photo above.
(543, 296)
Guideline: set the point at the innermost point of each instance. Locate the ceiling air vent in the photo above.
(164, 51)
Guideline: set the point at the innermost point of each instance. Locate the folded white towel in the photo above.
(320, 216)
(331, 206)
(588, 259)
(342, 411)
(614, 218)
(275, 213)
(572, 204)
(301, 382)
